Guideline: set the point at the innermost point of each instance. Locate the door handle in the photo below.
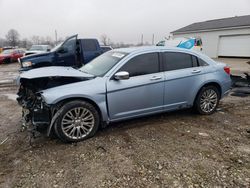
(156, 78)
(196, 71)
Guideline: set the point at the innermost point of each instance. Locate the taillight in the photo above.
(227, 70)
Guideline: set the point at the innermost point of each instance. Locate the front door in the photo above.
(66, 54)
(142, 93)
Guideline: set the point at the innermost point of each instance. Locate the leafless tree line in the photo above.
(13, 38)
(106, 41)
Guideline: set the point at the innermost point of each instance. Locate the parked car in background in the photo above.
(187, 43)
(37, 49)
(73, 52)
(12, 55)
(118, 85)
(106, 48)
(6, 48)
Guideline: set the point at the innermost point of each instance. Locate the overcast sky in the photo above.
(120, 20)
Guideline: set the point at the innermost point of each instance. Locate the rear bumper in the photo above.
(226, 88)
(226, 93)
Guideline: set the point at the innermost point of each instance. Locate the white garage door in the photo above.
(234, 46)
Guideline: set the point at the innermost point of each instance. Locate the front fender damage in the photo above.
(37, 115)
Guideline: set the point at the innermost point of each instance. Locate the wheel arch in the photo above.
(213, 83)
(66, 100)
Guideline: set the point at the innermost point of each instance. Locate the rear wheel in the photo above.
(207, 100)
(78, 121)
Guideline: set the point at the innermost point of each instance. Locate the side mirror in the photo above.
(123, 75)
(48, 50)
(62, 50)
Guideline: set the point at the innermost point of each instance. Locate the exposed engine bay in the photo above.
(36, 114)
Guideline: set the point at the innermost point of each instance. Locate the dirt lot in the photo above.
(178, 149)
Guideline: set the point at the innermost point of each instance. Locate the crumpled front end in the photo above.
(36, 114)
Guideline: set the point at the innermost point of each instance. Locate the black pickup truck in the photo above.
(72, 52)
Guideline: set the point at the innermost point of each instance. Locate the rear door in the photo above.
(142, 93)
(183, 76)
(91, 49)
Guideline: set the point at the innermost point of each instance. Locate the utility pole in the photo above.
(56, 36)
(142, 39)
(153, 39)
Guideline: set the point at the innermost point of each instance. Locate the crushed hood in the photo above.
(54, 71)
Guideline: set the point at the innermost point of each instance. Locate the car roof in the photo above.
(145, 49)
(41, 45)
(142, 49)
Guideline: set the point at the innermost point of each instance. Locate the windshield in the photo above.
(38, 48)
(56, 47)
(7, 52)
(102, 64)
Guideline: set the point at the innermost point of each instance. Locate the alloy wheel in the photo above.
(208, 100)
(77, 123)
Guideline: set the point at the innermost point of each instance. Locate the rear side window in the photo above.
(195, 61)
(176, 60)
(89, 45)
(202, 63)
(142, 64)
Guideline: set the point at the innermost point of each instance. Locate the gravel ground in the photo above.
(177, 149)
(8, 72)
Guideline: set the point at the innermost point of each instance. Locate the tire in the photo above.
(71, 126)
(7, 61)
(207, 100)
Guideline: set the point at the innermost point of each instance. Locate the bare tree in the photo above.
(60, 40)
(12, 37)
(25, 43)
(42, 40)
(2, 42)
(35, 39)
(48, 40)
(105, 40)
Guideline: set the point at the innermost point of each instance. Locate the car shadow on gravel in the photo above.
(148, 120)
(41, 140)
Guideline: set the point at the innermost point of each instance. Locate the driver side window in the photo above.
(70, 45)
(142, 64)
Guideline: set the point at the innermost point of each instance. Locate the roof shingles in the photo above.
(237, 21)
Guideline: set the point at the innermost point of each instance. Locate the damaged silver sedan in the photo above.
(120, 84)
